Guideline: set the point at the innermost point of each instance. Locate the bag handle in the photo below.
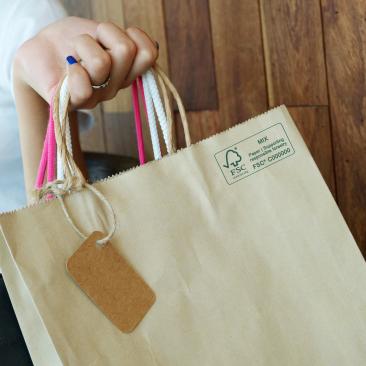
(138, 124)
(155, 106)
(72, 178)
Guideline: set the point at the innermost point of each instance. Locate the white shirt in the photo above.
(20, 20)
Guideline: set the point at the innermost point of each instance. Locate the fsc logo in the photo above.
(254, 153)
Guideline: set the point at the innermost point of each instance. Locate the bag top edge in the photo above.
(281, 107)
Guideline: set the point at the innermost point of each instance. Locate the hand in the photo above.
(102, 50)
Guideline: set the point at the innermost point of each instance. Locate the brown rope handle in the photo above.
(165, 80)
(73, 176)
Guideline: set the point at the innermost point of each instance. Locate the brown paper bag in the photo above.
(238, 236)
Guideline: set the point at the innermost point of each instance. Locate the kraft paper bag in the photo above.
(240, 240)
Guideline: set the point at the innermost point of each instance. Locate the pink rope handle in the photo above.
(51, 167)
(138, 124)
(43, 162)
(48, 157)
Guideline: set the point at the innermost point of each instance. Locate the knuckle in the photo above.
(133, 29)
(80, 39)
(149, 56)
(125, 49)
(103, 25)
(100, 63)
(110, 93)
(80, 95)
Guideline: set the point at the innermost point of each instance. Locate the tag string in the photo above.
(106, 203)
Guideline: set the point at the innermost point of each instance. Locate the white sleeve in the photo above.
(20, 20)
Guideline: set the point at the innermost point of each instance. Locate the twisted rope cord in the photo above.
(151, 119)
(177, 98)
(168, 110)
(106, 203)
(160, 112)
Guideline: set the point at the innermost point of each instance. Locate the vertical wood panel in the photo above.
(149, 16)
(313, 124)
(190, 51)
(237, 43)
(120, 134)
(295, 64)
(345, 42)
(202, 125)
(94, 139)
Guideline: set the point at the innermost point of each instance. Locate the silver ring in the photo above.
(104, 85)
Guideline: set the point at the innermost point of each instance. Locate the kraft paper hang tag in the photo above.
(111, 283)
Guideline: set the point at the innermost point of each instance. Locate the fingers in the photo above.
(122, 51)
(80, 87)
(115, 53)
(93, 69)
(132, 52)
(146, 55)
(94, 58)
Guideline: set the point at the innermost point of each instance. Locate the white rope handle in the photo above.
(160, 112)
(151, 119)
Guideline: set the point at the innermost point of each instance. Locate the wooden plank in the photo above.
(191, 55)
(148, 15)
(201, 125)
(120, 134)
(292, 34)
(108, 10)
(93, 138)
(345, 44)
(314, 126)
(237, 44)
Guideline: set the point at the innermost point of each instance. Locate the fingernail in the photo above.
(71, 60)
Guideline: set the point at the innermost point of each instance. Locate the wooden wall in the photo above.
(233, 59)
